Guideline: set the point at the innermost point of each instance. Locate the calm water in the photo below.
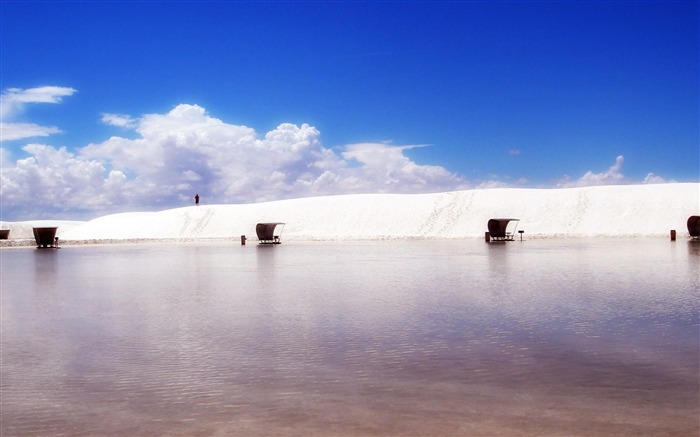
(553, 338)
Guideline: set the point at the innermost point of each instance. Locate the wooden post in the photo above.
(242, 240)
(673, 235)
(487, 237)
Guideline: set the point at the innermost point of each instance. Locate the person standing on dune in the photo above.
(196, 199)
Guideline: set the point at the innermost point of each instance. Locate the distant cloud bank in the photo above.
(187, 151)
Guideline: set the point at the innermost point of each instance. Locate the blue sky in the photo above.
(112, 106)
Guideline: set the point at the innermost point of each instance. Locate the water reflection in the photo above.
(693, 248)
(363, 338)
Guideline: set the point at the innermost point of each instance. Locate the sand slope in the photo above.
(619, 210)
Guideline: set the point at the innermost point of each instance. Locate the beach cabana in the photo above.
(694, 226)
(45, 238)
(502, 229)
(269, 233)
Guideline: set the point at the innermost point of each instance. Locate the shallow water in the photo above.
(554, 338)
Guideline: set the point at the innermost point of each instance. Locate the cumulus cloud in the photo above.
(651, 178)
(13, 101)
(187, 151)
(385, 168)
(611, 176)
(55, 180)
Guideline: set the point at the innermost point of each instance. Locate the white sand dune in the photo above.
(603, 211)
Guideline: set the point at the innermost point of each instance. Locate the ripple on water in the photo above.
(393, 338)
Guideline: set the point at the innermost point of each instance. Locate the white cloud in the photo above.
(5, 158)
(55, 180)
(12, 102)
(186, 151)
(13, 99)
(611, 176)
(385, 168)
(651, 178)
(119, 120)
(44, 94)
(494, 183)
(17, 131)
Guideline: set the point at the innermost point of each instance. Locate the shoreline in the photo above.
(31, 243)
